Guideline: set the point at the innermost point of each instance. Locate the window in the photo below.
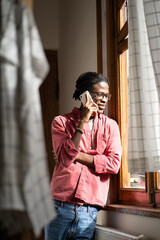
(137, 189)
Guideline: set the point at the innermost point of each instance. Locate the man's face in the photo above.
(100, 94)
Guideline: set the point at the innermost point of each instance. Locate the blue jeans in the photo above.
(72, 222)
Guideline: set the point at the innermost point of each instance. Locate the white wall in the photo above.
(70, 27)
(46, 15)
(77, 51)
(149, 227)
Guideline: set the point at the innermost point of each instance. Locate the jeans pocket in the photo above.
(93, 213)
(57, 207)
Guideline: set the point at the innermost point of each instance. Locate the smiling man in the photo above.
(88, 149)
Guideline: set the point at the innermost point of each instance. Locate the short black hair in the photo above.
(86, 81)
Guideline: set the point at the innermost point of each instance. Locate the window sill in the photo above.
(134, 210)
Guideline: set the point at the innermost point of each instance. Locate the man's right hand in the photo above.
(89, 109)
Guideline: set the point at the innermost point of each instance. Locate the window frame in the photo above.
(117, 43)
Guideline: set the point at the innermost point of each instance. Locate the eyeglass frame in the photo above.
(101, 95)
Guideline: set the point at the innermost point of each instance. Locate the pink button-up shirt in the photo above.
(73, 181)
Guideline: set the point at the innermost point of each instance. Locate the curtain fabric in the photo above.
(144, 86)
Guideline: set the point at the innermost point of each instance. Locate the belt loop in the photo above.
(88, 209)
(76, 207)
(61, 204)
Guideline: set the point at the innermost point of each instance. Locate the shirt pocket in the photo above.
(101, 142)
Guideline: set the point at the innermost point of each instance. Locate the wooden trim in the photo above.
(123, 100)
(123, 46)
(111, 57)
(123, 32)
(54, 53)
(135, 196)
(120, 3)
(134, 210)
(113, 109)
(156, 180)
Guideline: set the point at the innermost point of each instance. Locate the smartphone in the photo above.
(83, 97)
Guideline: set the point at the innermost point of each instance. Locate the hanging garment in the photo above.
(25, 199)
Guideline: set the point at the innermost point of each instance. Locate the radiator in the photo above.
(107, 233)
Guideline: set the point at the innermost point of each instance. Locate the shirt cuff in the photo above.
(100, 164)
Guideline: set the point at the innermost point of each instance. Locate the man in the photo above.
(88, 149)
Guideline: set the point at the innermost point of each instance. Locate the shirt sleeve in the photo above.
(111, 160)
(63, 145)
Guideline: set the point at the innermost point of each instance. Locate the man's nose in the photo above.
(104, 99)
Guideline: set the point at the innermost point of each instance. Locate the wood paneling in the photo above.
(49, 92)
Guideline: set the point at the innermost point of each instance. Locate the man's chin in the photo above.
(100, 111)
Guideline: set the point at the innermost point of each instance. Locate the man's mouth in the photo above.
(101, 107)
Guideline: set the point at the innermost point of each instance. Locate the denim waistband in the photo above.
(74, 206)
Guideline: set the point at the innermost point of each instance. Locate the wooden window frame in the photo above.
(117, 43)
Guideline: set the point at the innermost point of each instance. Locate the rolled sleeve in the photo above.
(110, 161)
(105, 164)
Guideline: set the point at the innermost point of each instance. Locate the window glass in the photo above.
(134, 180)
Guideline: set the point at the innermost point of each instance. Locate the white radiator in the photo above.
(106, 233)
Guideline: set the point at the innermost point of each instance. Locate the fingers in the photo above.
(92, 108)
(95, 105)
(89, 109)
(91, 105)
(88, 98)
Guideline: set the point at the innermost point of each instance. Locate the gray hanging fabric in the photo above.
(25, 199)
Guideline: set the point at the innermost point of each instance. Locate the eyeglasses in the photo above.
(101, 95)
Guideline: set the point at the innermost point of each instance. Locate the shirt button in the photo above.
(87, 133)
(90, 148)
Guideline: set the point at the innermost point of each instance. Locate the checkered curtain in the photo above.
(144, 86)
